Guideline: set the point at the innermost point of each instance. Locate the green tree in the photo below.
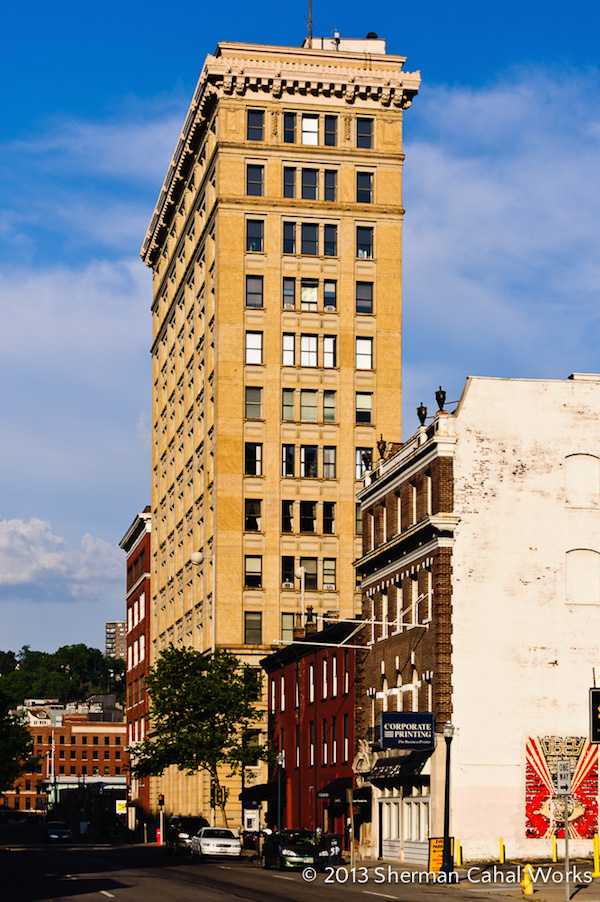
(201, 708)
(15, 746)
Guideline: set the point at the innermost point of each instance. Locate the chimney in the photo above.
(311, 625)
(298, 628)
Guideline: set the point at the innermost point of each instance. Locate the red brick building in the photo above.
(136, 544)
(71, 746)
(311, 718)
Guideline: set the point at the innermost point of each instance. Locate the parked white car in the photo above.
(217, 841)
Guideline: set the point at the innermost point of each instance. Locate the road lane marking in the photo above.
(105, 893)
(281, 877)
(383, 895)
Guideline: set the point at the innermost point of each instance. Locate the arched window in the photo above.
(582, 481)
(582, 576)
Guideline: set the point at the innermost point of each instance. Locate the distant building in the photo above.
(77, 751)
(481, 596)
(115, 645)
(136, 543)
(311, 720)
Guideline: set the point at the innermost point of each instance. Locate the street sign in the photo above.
(563, 777)
(595, 716)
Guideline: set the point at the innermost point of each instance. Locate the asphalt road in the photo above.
(136, 873)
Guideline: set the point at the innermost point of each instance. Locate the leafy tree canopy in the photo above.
(201, 709)
(15, 746)
(72, 673)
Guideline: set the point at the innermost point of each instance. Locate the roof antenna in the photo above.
(310, 24)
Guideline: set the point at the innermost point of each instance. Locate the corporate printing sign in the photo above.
(407, 731)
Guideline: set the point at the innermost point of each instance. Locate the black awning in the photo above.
(362, 796)
(261, 792)
(336, 790)
(399, 768)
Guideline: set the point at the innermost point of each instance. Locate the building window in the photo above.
(254, 180)
(287, 460)
(287, 627)
(329, 351)
(308, 406)
(254, 347)
(253, 459)
(255, 126)
(288, 350)
(308, 350)
(287, 404)
(364, 353)
(364, 187)
(324, 750)
(289, 181)
(287, 516)
(330, 185)
(289, 238)
(311, 683)
(309, 239)
(329, 518)
(252, 628)
(363, 458)
(329, 573)
(308, 461)
(364, 242)
(289, 128)
(310, 575)
(329, 295)
(310, 129)
(253, 571)
(329, 462)
(311, 743)
(287, 572)
(254, 234)
(254, 291)
(364, 133)
(330, 241)
(310, 182)
(253, 403)
(346, 738)
(308, 516)
(289, 294)
(364, 407)
(334, 737)
(252, 514)
(358, 519)
(330, 131)
(308, 294)
(329, 406)
(364, 297)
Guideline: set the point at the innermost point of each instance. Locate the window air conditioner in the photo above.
(287, 585)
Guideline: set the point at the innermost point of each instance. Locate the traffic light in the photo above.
(595, 716)
(161, 799)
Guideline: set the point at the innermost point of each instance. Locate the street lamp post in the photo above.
(447, 863)
(197, 558)
(300, 573)
(280, 758)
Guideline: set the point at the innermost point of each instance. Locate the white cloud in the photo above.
(42, 566)
(501, 272)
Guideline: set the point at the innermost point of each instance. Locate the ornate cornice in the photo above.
(236, 70)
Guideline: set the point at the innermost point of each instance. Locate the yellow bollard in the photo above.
(458, 854)
(554, 855)
(596, 871)
(527, 881)
(501, 851)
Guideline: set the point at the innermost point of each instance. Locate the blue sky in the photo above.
(501, 263)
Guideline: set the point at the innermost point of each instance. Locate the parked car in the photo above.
(294, 849)
(57, 831)
(179, 832)
(217, 841)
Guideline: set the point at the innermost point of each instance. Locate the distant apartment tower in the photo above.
(275, 248)
(136, 543)
(115, 645)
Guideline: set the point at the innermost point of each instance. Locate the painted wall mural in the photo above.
(544, 809)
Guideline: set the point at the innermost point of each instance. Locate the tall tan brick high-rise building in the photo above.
(276, 252)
